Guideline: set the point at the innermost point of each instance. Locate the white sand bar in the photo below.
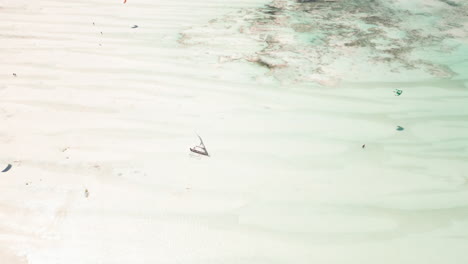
(97, 128)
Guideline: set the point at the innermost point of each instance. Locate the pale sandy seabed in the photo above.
(115, 112)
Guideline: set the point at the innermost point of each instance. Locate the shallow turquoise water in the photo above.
(284, 95)
(349, 40)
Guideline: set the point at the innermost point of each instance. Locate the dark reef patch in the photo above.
(310, 37)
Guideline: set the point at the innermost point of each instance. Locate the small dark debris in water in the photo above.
(399, 128)
(398, 92)
(364, 146)
(65, 149)
(100, 44)
(135, 26)
(7, 168)
(86, 193)
(94, 24)
(101, 32)
(14, 74)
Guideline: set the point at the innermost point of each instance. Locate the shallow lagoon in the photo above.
(99, 126)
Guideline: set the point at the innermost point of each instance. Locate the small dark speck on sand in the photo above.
(8, 167)
(86, 193)
(135, 26)
(14, 74)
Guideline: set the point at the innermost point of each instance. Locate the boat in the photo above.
(201, 152)
(200, 149)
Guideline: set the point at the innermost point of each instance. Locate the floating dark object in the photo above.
(7, 168)
(398, 92)
(200, 149)
(14, 74)
(86, 193)
(399, 128)
(364, 146)
(135, 26)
